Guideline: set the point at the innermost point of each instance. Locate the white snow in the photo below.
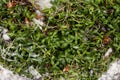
(108, 53)
(5, 31)
(6, 37)
(6, 74)
(35, 73)
(43, 4)
(113, 73)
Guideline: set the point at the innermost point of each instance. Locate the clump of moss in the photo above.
(72, 36)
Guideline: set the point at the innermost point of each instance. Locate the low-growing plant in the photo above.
(71, 43)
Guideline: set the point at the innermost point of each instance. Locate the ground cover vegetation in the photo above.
(72, 43)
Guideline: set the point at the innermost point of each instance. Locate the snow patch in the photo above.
(6, 74)
(113, 73)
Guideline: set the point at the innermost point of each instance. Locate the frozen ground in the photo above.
(6, 74)
(113, 73)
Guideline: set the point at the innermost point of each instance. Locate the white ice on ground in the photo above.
(4, 34)
(5, 31)
(6, 37)
(38, 23)
(38, 12)
(113, 73)
(6, 74)
(43, 4)
(108, 53)
(35, 73)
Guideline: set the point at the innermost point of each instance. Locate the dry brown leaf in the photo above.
(106, 40)
(27, 20)
(41, 17)
(66, 68)
(10, 4)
